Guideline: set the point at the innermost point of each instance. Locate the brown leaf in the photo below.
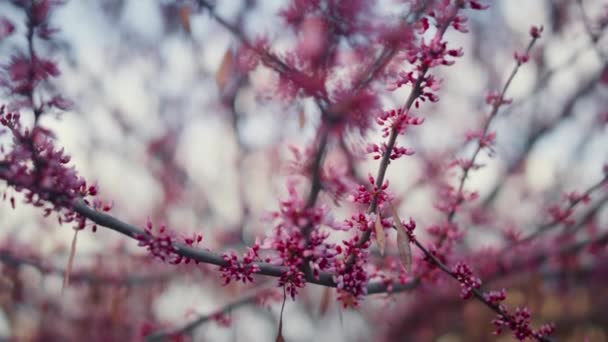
(225, 71)
(403, 242)
(280, 337)
(302, 119)
(184, 16)
(325, 300)
(68, 269)
(380, 237)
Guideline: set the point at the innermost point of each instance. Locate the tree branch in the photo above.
(209, 257)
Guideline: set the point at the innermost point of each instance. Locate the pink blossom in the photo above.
(521, 58)
(160, 243)
(535, 31)
(243, 270)
(468, 282)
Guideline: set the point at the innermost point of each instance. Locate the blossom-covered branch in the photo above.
(518, 322)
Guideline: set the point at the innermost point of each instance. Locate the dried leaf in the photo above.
(225, 71)
(302, 119)
(68, 269)
(380, 237)
(184, 16)
(325, 300)
(280, 337)
(403, 242)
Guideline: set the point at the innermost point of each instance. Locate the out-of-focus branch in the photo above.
(542, 256)
(269, 59)
(202, 319)
(554, 223)
(14, 261)
(593, 36)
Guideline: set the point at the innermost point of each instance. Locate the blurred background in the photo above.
(169, 130)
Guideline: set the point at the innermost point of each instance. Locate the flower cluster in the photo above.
(298, 242)
(425, 55)
(293, 212)
(521, 58)
(574, 197)
(396, 151)
(450, 198)
(486, 140)
(34, 166)
(519, 323)
(433, 54)
(25, 73)
(161, 243)
(362, 221)
(468, 282)
(320, 253)
(243, 270)
(495, 297)
(352, 110)
(560, 214)
(335, 181)
(409, 228)
(536, 31)
(345, 16)
(428, 85)
(364, 195)
(396, 120)
(223, 319)
(292, 280)
(446, 236)
(350, 274)
(494, 98)
(476, 5)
